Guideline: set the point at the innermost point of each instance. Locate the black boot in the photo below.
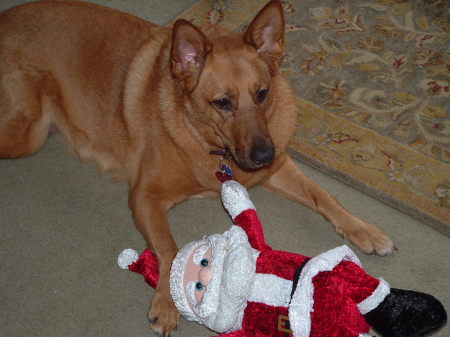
(405, 313)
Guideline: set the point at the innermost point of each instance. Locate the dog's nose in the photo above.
(262, 154)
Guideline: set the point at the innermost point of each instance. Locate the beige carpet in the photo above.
(62, 226)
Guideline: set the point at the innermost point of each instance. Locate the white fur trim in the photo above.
(376, 298)
(364, 335)
(302, 302)
(271, 290)
(127, 257)
(235, 198)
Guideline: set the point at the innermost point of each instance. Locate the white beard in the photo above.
(233, 268)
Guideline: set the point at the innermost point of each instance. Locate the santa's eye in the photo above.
(198, 286)
(204, 262)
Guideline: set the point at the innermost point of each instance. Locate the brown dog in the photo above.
(145, 101)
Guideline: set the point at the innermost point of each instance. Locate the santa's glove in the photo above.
(406, 313)
(235, 198)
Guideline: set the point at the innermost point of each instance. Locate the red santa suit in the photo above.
(289, 294)
(330, 296)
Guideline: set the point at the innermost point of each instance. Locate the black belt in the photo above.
(297, 273)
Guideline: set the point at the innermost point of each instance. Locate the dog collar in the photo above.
(224, 173)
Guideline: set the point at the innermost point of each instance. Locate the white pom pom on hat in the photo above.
(127, 257)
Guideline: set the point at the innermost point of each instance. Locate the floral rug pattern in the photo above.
(373, 81)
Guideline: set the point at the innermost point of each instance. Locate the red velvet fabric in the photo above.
(250, 223)
(262, 320)
(147, 266)
(336, 295)
(279, 263)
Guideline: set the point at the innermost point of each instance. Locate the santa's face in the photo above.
(198, 274)
(218, 277)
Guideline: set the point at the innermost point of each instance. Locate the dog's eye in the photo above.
(261, 95)
(204, 262)
(223, 103)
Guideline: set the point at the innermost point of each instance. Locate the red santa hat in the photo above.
(145, 264)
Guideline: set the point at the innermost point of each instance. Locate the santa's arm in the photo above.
(237, 202)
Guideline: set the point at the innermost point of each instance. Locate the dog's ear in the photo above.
(188, 53)
(266, 34)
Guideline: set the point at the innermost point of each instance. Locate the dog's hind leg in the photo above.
(23, 124)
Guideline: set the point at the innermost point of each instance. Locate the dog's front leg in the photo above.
(291, 183)
(150, 216)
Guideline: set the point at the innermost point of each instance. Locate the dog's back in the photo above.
(66, 63)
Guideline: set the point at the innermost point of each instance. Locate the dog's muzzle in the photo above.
(262, 152)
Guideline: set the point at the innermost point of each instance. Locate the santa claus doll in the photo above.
(238, 286)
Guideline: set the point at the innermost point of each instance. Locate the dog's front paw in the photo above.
(369, 238)
(163, 315)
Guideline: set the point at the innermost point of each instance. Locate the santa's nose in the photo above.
(205, 275)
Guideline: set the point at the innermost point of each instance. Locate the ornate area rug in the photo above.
(373, 81)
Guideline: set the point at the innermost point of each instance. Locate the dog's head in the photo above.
(227, 79)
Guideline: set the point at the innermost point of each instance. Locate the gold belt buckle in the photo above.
(283, 324)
